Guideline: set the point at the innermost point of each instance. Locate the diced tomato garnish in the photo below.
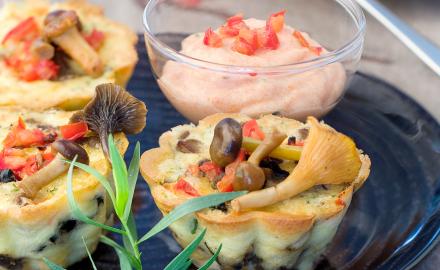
(19, 136)
(95, 38)
(211, 170)
(250, 36)
(74, 131)
(233, 26)
(242, 46)
(267, 38)
(39, 70)
(226, 183)
(339, 201)
(301, 39)
(212, 39)
(25, 30)
(276, 20)
(182, 185)
(316, 50)
(251, 129)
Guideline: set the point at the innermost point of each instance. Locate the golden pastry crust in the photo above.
(44, 226)
(118, 53)
(274, 233)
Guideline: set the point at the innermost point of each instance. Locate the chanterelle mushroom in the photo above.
(66, 150)
(328, 157)
(61, 27)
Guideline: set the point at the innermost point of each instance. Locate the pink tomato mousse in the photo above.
(198, 92)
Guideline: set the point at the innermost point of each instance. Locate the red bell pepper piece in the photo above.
(74, 131)
(211, 169)
(276, 20)
(95, 38)
(182, 185)
(232, 26)
(226, 183)
(240, 45)
(19, 136)
(251, 129)
(302, 40)
(25, 30)
(212, 39)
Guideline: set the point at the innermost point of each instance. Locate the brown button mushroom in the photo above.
(61, 27)
(66, 150)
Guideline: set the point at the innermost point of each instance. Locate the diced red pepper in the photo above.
(242, 46)
(212, 39)
(267, 38)
(30, 167)
(276, 20)
(74, 131)
(211, 169)
(182, 185)
(251, 129)
(95, 38)
(233, 26)
(226, 183)
(339, 201)
(250, 36)
(302, 40)
(25, 30)
(19, 136)
(316, 50)
(39, 70)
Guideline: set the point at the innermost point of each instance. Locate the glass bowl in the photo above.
(199, 80)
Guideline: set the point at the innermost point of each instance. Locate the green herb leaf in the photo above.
(88, 253)
(190, 206)
(133, 261)
(130, 228)
(124, 263)
(212, 259)
(133, 173)
(52, 265)
(76, 211)
(101, 178)
(119, 176)
(182, 259)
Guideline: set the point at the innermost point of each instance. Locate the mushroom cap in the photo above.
(59, 21)
(113, 109)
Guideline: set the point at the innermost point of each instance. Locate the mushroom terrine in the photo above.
(53, 55)
(35, 218)
(300, 179)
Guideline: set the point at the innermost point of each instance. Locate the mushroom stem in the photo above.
(32, 184)
(328, 157)
(266, 147)
(76, 47)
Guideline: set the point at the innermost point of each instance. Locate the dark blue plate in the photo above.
(393, 220)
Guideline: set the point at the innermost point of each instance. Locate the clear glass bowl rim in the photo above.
(349, 48)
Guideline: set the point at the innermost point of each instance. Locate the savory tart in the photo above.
(53, 55)
(35, 218)
(300, 179)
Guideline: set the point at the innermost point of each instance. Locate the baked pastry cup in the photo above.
(43, 226)
(291, 233)
(114, 56)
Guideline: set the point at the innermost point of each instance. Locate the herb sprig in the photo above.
(122, 198)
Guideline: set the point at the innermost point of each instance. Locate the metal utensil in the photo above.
(424, 49)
